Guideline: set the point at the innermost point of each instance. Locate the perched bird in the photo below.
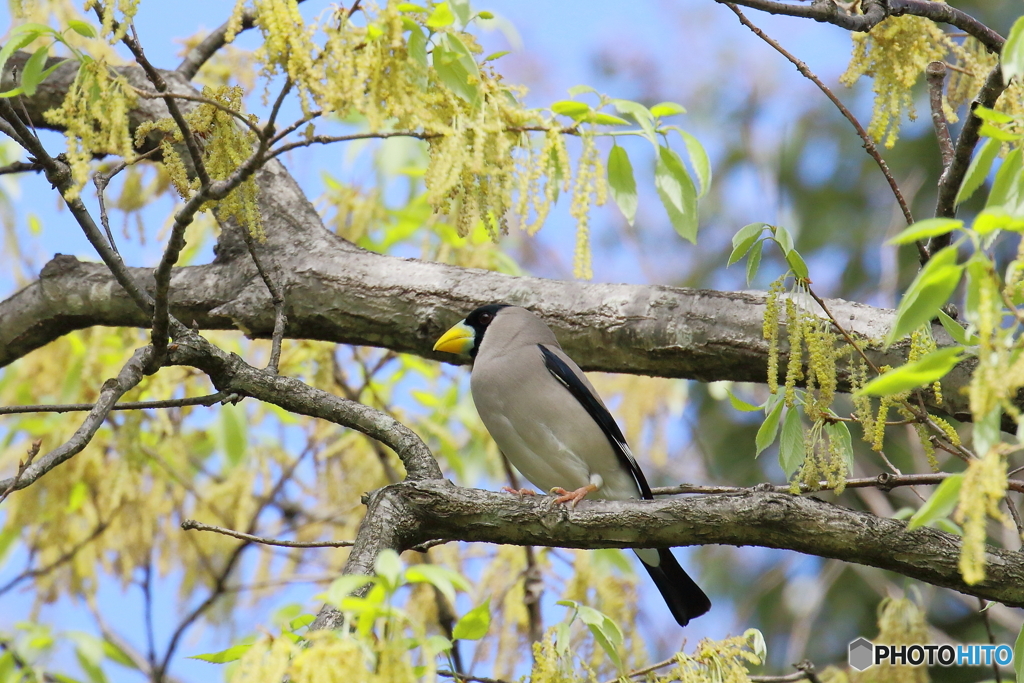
(550, 423)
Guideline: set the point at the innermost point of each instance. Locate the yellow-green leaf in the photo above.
(940, 504)
(622, 183)
(926, 370)
(473, 624)
(930, 227)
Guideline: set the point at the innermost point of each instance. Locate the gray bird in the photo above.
(550, 423)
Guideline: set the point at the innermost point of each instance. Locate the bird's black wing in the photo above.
(564, 374)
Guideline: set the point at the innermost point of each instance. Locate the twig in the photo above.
(199, 99)
(193, 525)
(21, 167)
(884, 481)
(201, 53)
(869, 144)
(935, 75)
(131, 374)
(219, 397)
(63, 559)
(953, 175)
(23, 465)
(59, 175)
(467, 677)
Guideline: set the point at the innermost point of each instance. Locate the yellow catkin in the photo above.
(795, 365)
(895, 53)
(982, 491)
(770, 331)
(900, 622)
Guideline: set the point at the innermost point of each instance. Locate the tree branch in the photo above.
(131, 374)
(877, 11)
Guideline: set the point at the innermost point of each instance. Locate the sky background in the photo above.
(693, 52)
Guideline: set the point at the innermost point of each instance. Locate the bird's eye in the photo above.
(486, 318)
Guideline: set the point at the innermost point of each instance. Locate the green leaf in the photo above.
(602, 119)
(1012, 61)
(640, 113)
(496, 55)
(929, 291)
(605, 631)
(15, 43)
(740, 404)
(571, 108)
(388, 566)
(754, 261)
(958, 333)
(581, 89)
(77, 496)
(743, 240)
(940, 504)
(791, 443)
(930, 227)
(301, 621)
(7, 538)
(797, 265)
(784, 238)
(82, 28)
(231, 654)
(116, 654)
(839, 435)
(996, 218)
(454, 65)
(1018, 645)
(925, 370)
(987, 432)
(418, 45)
(699, 160)
(443, 579)
(441, 16)
(91, 669)
(232, 433)
(1006, 190)
(473, 624)
(981, 164)
(991, 115)
(667, 109)
(996, 133)
(343, 586)
(32, 75)
(622, 183)
(462, 11)
(411, 7)
(677, 193)
(769, 428)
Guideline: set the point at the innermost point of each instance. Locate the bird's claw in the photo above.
(519, 492)
(572, 497)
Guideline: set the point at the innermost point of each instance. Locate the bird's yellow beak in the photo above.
(459, 339)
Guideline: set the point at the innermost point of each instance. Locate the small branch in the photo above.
(936, 77)
(21, 167)
(193, 525)
(869, 144)
(204, 51)
(219, 397)
(276, 295)
(23, 465)
(63, 559)
(467, 677)
(131, 374)
(953, 176)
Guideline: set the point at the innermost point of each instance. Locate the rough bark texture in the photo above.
(432, 510)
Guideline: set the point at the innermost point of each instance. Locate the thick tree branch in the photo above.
(876, 11)
(404, 515)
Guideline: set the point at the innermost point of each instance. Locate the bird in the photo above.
(551, 424)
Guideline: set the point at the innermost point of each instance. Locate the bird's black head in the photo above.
(479, 320)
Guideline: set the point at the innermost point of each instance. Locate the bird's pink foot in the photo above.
(519, 492)
(572, 497)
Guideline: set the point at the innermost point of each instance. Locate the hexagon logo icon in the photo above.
(862, 654)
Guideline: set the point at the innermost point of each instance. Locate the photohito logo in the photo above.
(865, 654)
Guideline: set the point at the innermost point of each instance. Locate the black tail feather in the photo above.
(683, 596)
